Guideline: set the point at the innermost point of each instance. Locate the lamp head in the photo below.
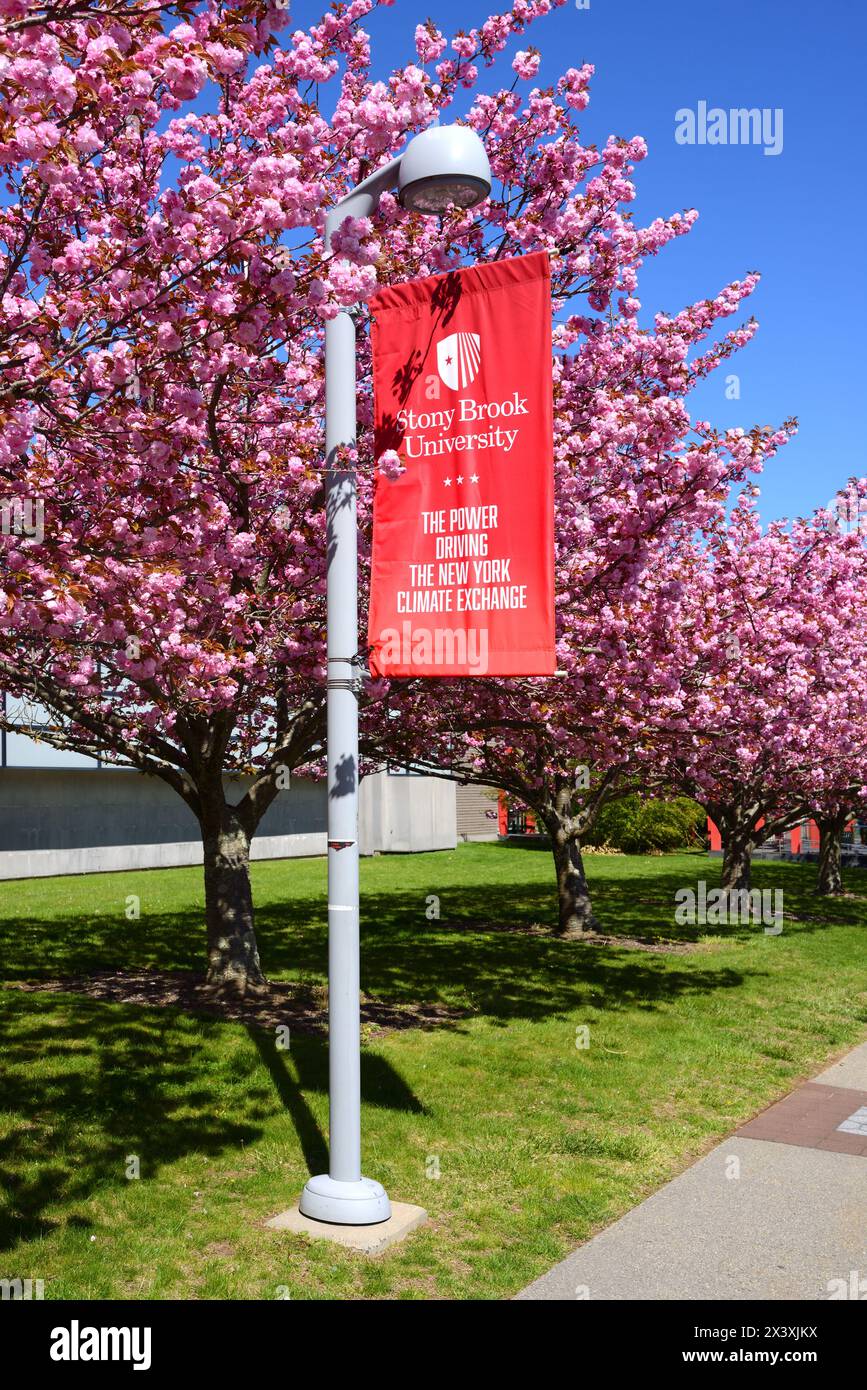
(444, 165)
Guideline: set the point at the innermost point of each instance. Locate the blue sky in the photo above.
(797, 216)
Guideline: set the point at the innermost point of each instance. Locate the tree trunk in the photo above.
(573, 892)
(736, 822)
(233, 956)
(830, 880)
(737, 861)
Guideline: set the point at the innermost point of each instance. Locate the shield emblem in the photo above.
(458, 358)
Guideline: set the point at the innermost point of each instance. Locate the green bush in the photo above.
(638, 826)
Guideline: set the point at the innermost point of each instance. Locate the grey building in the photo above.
(61, 813)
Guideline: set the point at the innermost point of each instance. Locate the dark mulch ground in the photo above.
(590, 938)
(300, 1008)
(663, 945)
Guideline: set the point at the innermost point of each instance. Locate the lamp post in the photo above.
(441, 166)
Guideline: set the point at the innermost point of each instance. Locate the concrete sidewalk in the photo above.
(778, 1210)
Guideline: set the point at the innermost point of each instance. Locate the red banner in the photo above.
(463, 537)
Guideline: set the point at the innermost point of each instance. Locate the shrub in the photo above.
(638, 825)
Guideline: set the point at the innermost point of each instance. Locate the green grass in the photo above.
(538, 1143)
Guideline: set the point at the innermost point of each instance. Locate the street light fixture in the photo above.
(441, 166)
(444, 165)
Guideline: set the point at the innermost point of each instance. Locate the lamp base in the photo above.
(361, 1203)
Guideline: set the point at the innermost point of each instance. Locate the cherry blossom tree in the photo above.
(765, 727)
(841, 795)
(165, 286)
(635, 479)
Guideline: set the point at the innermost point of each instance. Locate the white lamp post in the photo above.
(441, 166)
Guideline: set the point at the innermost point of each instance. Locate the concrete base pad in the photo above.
(371, 1239)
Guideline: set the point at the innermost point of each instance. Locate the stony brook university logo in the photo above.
(458, 359)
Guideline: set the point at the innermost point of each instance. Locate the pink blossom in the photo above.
(526, 62)
(390, 465)
(167, 337)
(225, 60)
(185, 76)
(86, 140)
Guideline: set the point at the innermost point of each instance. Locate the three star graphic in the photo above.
(447, 482)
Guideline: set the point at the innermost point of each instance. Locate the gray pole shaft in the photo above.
(344, 1057)
(344, 1196)
(344, 1021)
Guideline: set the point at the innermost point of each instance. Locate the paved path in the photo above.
(791, 1223)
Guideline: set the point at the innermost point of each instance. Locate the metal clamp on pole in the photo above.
(354, 683)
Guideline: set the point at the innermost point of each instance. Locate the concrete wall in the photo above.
(74, 821)
(403, 815)
(89, 820)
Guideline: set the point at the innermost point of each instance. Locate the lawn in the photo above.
(519, 1144)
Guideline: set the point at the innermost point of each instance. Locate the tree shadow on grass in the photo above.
(510, 975)
(644, 906)
(89, 1084)
(406, 960)
(633, 898)
(293, 931)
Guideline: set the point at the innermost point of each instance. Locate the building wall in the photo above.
(476, 811)
(404, 815)
(89, 820)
